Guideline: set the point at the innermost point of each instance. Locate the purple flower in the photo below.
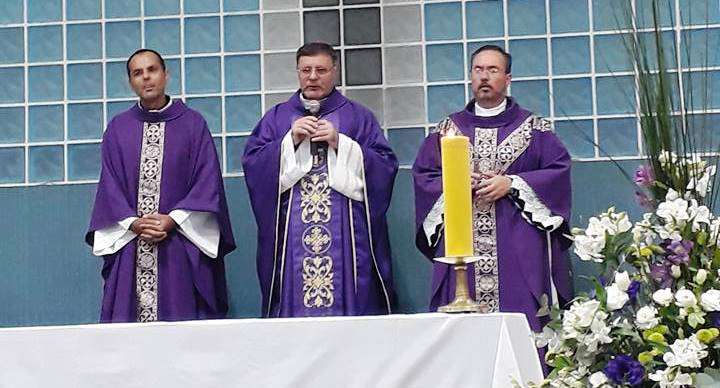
(678, 252)
(633, 289)
(660, 273)
(714, 318)
(643, 200)
(644, 176)
(624, 369)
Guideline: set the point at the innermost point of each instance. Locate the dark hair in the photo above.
(144, 50)
(492, 47)
(316, 48)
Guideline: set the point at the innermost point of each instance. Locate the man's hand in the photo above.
(153, 227)
(492, 187)
(326, 132)
(303, 127)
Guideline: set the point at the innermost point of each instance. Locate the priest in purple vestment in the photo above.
(160, 219)
(521, 199)
(320, 175)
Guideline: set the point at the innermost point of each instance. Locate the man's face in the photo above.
(489, 79)
(147, 77)
(316, 75)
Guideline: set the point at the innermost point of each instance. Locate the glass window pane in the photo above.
(363, 67)
(12, 125)
(272, 99)
(84, 81)
(484, 19)
(202, 35)
(201, 6)
(618, 137)
(242, 33)
(82, 9)
(281, 30)
(577, 136)
(121, 39)
(362, 26)
(443, 62)
(211, 109)
(699, 12)
(280, 4)
(573, 97)
(242, 73)
(11, 11)
(702, 90)
(162, 7)
(12, 165)
(611, 54)
(174, 85)
(402, 24)
(443, 100)
(405, 105)
(240, 5)
(13, 50)
(665, 9)
(83, 161)
(571, 55)
(122, 8)
(46, 123)
(406, 142)
(611, 14)
(280, 71)
(569, 16)
(403, 64)
(323, 26)
(12, 84)
(235, 149)
(44, 11)
(615, 95)
(369, 98)
(697, 48)
(163, 35)
(533, 96)
(526, 17)
(242, 113)
(529, 57)
(443, 21)
(319, 3)
(668, 42)
(46, 164)
(117, 80)
(85, 121)
(83, 41)
(45, 83)
(45, 44)
(115, 108)
(202, 75)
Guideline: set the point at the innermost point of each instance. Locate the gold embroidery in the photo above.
(315, 198)
(316, 239)
(318, 281)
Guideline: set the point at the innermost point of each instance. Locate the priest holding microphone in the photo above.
(320, 176)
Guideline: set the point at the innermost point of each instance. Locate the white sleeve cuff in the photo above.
(201, 228)
(531, 207)
(294, 164)
(433, 220)
(111, 239)
(345, 168)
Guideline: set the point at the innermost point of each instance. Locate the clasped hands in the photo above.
(316, 129)
(490, 186)
(153, 227)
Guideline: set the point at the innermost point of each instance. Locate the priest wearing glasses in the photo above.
(320, 176)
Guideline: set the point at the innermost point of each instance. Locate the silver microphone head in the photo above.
(313, 106)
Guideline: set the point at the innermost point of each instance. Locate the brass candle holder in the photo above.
(462, 303)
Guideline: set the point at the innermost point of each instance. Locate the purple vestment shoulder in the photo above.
(190, 285)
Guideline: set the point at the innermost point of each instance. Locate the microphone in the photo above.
(318, 148)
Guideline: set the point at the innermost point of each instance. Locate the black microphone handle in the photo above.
(316, 146)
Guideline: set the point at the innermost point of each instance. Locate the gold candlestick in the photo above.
(462, 303)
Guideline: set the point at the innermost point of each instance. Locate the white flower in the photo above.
(673, 211)
(622, 280)
(700, 276)
(701, 185)
(581, 314)
(663, 297)
(589, 248)
(700, 214)
(646, 317)
(598, 379)
(675, 271)
(666, 157)
(686, 352)
(710, 300)
(714, 232)
(685, 298)
(599, 334)
(616, 298)
(666, 379)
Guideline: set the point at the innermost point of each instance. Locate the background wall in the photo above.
(62, 77)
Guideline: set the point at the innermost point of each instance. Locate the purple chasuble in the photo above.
(513, 235)
(164, 160)
(319, 252)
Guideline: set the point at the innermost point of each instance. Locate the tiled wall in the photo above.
(62, 73)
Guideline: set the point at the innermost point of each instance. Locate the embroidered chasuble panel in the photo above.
(146, 262)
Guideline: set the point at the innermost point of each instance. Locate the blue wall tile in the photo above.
(443, 100)
(122, 8)
(83, 161)
(84, 81)
(242, 33)
(532, 95)
(699, 48)
(162, 7)
(610, 14)
(529, 57)
(443, 63)
(571, 55)
(115, 108)
(45, 83)
(699, 12)
(45, 43)
(174, 85)
(443, 21)
(242, 73)
(44, 11)
(573, 97)
(242, 113)
(117, 80)
(666, 13)
(201, 6)
(202, 75)
(12, 165)
(484, 19)
(569, 16)
(13, 45)
(163, 35)
(577, 136)
(406, 142)
(12, 84)
(235, 148)
(617, 137)
(83, 9)
(121, 39)
(668, 41)
(211, 109)
(240, 5)
(11, 11)
(85, 121)
(526, 17)
(202, 35)
(12, 125)
(702, 90)
(46, 164)
(615, 95)
(46, 123)
(611, 54)
(84, 41)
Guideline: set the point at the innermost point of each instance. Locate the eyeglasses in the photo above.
(490, 70)
(320, 71)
